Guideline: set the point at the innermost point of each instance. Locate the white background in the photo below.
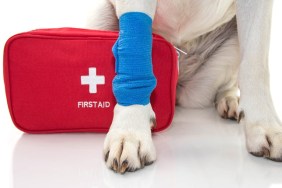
(210, 154)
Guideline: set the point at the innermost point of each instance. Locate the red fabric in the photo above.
(42, 73)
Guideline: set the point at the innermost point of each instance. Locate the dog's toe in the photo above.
(128, 145)
(227, 107)
(265, 142)
(128, 152)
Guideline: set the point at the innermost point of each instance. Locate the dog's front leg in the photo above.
(262, 127)
(128, 145)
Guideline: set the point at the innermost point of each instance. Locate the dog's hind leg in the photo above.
(209, 73)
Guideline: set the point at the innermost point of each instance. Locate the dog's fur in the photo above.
(210, 73)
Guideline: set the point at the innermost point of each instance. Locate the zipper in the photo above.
(179, 52)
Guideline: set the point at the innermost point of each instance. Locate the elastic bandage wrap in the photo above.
(135, 80)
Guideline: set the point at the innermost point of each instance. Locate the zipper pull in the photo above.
(179, 52)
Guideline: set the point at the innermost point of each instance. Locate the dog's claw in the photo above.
(241, 116)
(106, 156)
(124, 167)
(115, 165)
(153, 122)
(225, 115)
(142, 162)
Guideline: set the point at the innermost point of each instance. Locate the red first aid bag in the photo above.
(60, 80)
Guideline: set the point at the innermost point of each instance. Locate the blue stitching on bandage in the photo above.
(135, 80)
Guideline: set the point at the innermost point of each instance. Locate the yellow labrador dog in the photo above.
(227, 45)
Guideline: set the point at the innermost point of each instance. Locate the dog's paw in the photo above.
(128, 145)
(227, 107)
(265, 140)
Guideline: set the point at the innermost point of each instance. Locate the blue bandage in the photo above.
(135, 80)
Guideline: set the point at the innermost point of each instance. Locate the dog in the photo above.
(227, 44)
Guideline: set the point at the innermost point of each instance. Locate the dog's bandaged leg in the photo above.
(135, 80)
(128, 145)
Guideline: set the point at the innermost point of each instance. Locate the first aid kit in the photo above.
(60, 80)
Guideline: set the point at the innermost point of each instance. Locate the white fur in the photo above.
(181, 22)
(262, 127)
(129, 138)
(146, 6)
(218, 75)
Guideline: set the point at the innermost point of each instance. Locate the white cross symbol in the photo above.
(92, 80)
